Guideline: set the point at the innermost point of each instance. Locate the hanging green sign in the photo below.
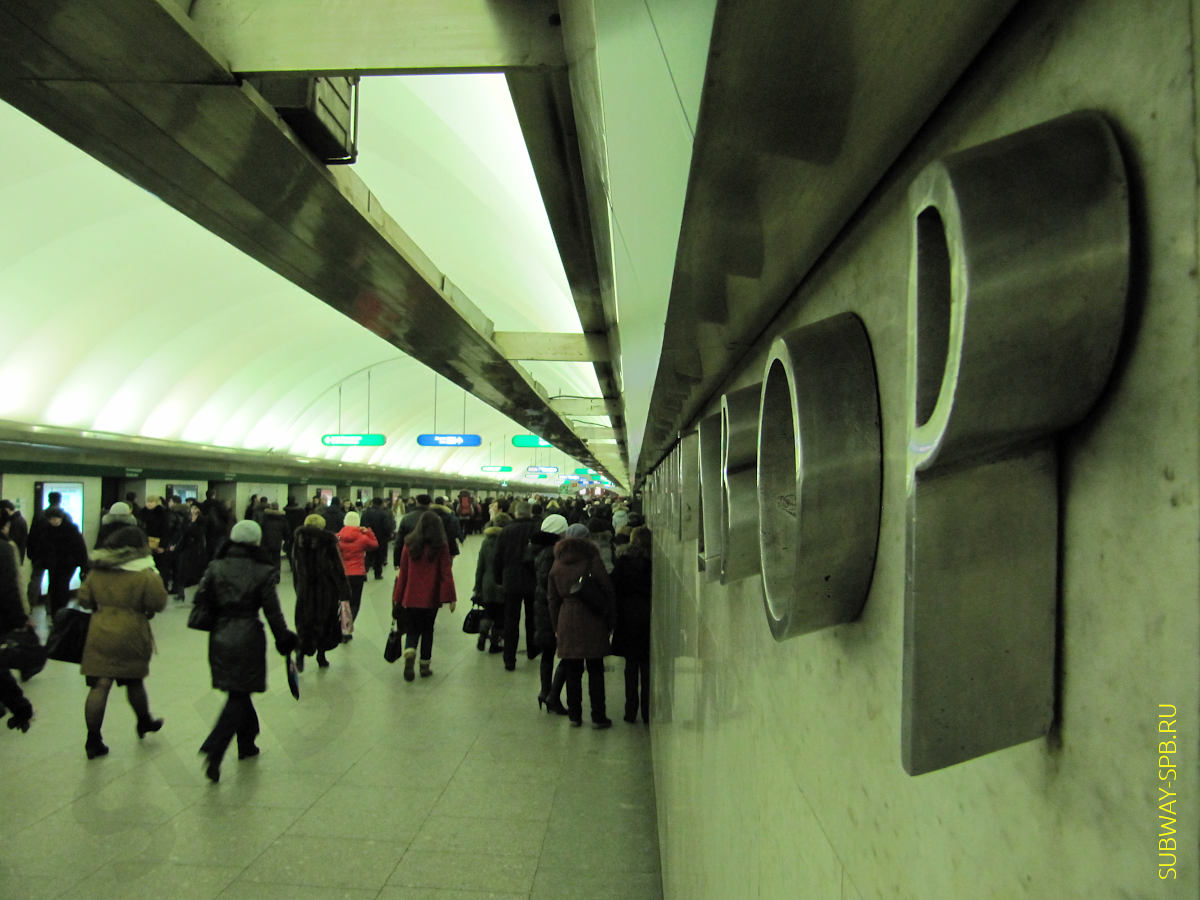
(529, 440)
(353, 440)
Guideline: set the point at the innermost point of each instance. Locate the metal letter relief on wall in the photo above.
(820, 471)
(739, 499)
(1017, 290)
(711, 530)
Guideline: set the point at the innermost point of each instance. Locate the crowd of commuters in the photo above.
(579, 574)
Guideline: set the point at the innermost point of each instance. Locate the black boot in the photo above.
(95, 745)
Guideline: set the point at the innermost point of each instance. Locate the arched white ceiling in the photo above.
(123, 316)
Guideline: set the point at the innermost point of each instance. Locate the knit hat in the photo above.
(352, 519)
(246, 532)
(314, 520)
(120, 508)
(554, 523)
(578, 530)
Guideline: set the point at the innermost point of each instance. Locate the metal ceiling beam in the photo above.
(380, 36)
(805, 108)
(546, 112)
(552, 346)
(178, 123)
(580, 406)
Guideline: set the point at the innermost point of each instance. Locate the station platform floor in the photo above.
(452, 787)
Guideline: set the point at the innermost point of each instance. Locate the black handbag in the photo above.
(202, 617)
(20, 649)
(471, 620)
(68, 634)
(394, 648)
(590, 594)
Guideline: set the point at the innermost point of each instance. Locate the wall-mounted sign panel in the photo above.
(529, 440)
(449, 440)
(353, 440)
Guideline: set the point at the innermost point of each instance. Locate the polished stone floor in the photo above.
(452, 786)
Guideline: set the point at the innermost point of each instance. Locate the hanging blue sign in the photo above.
(449, 440)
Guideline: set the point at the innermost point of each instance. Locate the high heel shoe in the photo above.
(144, 728)
(555, 707)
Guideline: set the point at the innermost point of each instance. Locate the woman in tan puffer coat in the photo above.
(125, 589)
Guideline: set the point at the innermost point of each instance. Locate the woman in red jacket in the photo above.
(353, 542)
(423, 583)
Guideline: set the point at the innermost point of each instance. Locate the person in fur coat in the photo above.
(125, 589)
(582, 634)
(321, 586)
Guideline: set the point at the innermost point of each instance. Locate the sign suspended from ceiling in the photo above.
(449, 440)
(353, 440)
(529, 440)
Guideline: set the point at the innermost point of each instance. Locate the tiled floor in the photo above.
(448, 787)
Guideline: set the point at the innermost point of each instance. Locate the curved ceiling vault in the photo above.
(123, 316)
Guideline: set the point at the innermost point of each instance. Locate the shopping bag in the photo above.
(68, 634)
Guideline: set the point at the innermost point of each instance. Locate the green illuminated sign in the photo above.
(353, 440)
(528, 440)
(585, 471)
(495, 468)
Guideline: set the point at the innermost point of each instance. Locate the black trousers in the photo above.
(238, 717)
(59, 589)
(512, 625)
(418, 628)
(356, 589)
(573, 669)
(637, 688)
(376, 559)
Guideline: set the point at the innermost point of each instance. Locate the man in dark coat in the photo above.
(513, 570)
(57, 547)
(295, 514)
(379, 520)
(156, 520)
(334, 515)
(53, 499)
(274, 531)
(237, 584)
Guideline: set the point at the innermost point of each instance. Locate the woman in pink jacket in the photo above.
(353, 542)
(423, 583)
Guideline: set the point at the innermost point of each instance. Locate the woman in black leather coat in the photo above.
(236, 585)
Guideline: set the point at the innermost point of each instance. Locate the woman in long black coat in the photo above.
(633, 583)
(236, 585)
(13, 616)
(320, 582)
